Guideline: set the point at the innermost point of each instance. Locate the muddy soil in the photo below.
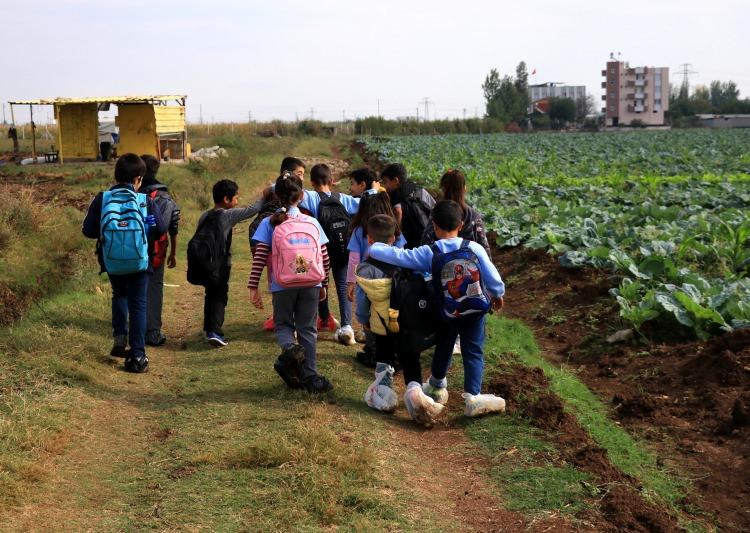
(689, 398)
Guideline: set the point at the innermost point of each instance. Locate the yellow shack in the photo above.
(152, 125)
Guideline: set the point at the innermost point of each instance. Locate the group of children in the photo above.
(378, 244)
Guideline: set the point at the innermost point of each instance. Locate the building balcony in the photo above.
(604, 73)
(641, 83)
(604, 85)
(630, 96)
(641, 96)
(630, 72)
(640, 70)
(604, 97)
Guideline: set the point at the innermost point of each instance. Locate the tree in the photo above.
(561, 111)
(585, 105)
(507, 98)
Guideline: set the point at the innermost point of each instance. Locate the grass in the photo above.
(511, 337)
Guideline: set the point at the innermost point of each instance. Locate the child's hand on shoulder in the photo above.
(497, 303)
(350, 291)
(255, 298)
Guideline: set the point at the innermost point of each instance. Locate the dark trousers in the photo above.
(296, 311)
(215, 302)
(129, 309)
(155, 299)
(386, 351)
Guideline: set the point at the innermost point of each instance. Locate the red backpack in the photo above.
(161, 244)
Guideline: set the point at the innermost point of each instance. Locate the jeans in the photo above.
(472, 346)
(129, 303)
(345, 306)
(296, 310)
(155, 300)
(215, 302)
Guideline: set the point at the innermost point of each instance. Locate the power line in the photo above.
(686, 72)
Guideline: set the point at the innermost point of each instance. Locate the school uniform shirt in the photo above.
(420, 259)
(311, 202)
(264, 235)
(358, 248)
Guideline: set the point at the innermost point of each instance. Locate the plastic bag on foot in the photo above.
(380, 395)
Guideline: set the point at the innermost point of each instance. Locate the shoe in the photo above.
(137, 364)
(437, 393)
(360, 336)
(268, 324)
(155, 338)
(422, 409)
(331, 324)
(120, 346)
(345, 336)
(216, 340)
(366, 358)
(380, 394)
(289, 365)
(317, 384)
(482, 404)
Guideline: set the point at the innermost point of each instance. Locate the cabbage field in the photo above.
(667, 211)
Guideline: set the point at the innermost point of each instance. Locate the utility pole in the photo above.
(464, 113)
(426, 102)
(417, 113)
(249, 116)
(200, 110)
(4, 122)
(312, 113)
(686, 73)
(378, 107)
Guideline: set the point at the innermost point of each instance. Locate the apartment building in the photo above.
(556, 90)
(635, 93)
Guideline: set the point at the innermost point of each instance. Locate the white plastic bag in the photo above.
(382, 397)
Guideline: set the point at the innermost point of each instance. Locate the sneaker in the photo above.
(345, 336)
(120, 346)
(289, 365)
(482, 404)
(360, 336)
(317, 384)
(422, 409)
(216, 340)
(268, 324)
(137, 364)
(439, 394)
(366, 358)
(330, 324)
(155, 338)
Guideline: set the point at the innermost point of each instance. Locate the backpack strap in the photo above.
(388, 269)
(465, 244)
(334, 194)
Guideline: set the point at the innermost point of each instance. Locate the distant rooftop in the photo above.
(136, 99)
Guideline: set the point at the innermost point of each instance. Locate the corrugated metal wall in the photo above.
(137, 125)
(169, 119)
(78, 125)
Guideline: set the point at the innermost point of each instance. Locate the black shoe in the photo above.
(317, 384)
(120, 346)
(137, 364)
(366, 358)
(156, 339)
(289, 365)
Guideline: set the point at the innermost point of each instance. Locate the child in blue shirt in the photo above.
(371, 205)
(447, 218)
(294, 309)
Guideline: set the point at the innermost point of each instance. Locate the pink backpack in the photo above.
(296, 259)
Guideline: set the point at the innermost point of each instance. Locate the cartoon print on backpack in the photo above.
(461, 286)
(302, 264)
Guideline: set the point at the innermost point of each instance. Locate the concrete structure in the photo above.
(635, 94)
(724, 121)
(147, 125)
(556, 90)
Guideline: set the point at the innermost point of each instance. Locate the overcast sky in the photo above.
(286, 59)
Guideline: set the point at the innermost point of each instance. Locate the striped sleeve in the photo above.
(260, 259)
(326, 264)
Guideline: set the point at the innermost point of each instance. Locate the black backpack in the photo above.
(207, 251)
(335, 222)
(414, 298)
(415, 217)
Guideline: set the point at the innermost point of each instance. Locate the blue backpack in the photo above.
(458, 284)
(123, 232)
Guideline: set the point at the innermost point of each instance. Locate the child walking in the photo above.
(170, 213)
(295, 244)
(374, 285)
(467, 286)
(411, 203)
(370, 206)
(125, 224)
(215, 231)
